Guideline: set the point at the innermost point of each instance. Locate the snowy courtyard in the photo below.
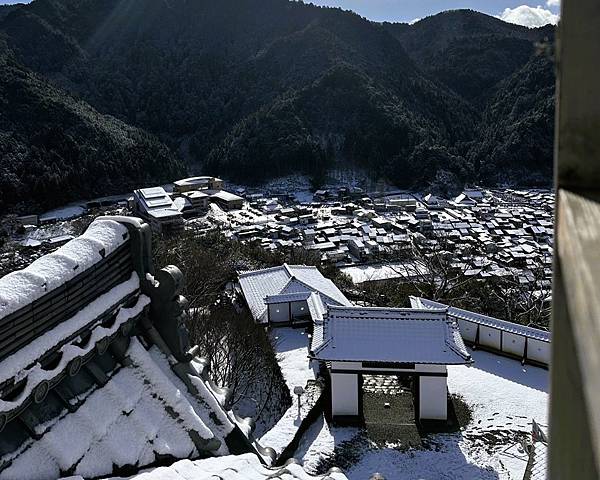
(503, 395)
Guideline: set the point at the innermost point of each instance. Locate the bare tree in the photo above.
(207, 263)
(430, 267)
(240, 352)
(525, 298)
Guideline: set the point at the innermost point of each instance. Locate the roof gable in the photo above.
(313, 278)
(259, 285)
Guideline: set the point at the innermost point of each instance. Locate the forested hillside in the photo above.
(251, 89)
(54, 148)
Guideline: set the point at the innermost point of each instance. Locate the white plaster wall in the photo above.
(430, 368)
(513, 344)
(346, 365)
(279, 312)
(468, 330)
(538, 351)
(433, 398)
(489, 337)
(344, 394)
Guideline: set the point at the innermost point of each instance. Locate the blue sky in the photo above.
(517, 11)
(523, 12)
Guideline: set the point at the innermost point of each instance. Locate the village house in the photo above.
(433, 202)
(156, 206)
(464, 200)
(197, 183)
(196, 201)
(227, 200)
(289, 294)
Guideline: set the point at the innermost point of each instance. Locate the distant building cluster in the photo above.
(500, 233)
(190, 197)
(484, 233)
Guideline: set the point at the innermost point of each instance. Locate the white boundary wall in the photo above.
(491, 333)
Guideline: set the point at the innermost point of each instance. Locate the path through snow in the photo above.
(291, 347)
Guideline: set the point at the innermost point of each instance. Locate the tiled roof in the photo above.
(64, 340)
(313, 278)
(460, 314)
(390, 335)
(143, 413)
(316, 307)
(257, 285)
(104, 388)
(241, 467)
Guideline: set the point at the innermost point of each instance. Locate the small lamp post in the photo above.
(298, 391)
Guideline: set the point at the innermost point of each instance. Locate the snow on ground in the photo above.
(320, 440)
(503, 393)
(504, 396)
(366, 273)
(217, 214)
(291, 347)
(47, 232)
(292, 353)
(63, 213)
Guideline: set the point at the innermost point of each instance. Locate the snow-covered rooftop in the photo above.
(156, 202)
(225, 196)
(391, 335)
(202, 180)
(240, 467)
(20, 288)
(143, 413)
(257, 285)
(91, 394)
(62, 338)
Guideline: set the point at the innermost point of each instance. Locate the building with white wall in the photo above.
(528, 344)
(289, 294)
(197, 183)
(156, 206)
(354, 341)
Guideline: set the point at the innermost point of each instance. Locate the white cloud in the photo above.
(553, 3)
(414, 20)
(529, 16)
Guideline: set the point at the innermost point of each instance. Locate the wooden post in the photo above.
(575, 367)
